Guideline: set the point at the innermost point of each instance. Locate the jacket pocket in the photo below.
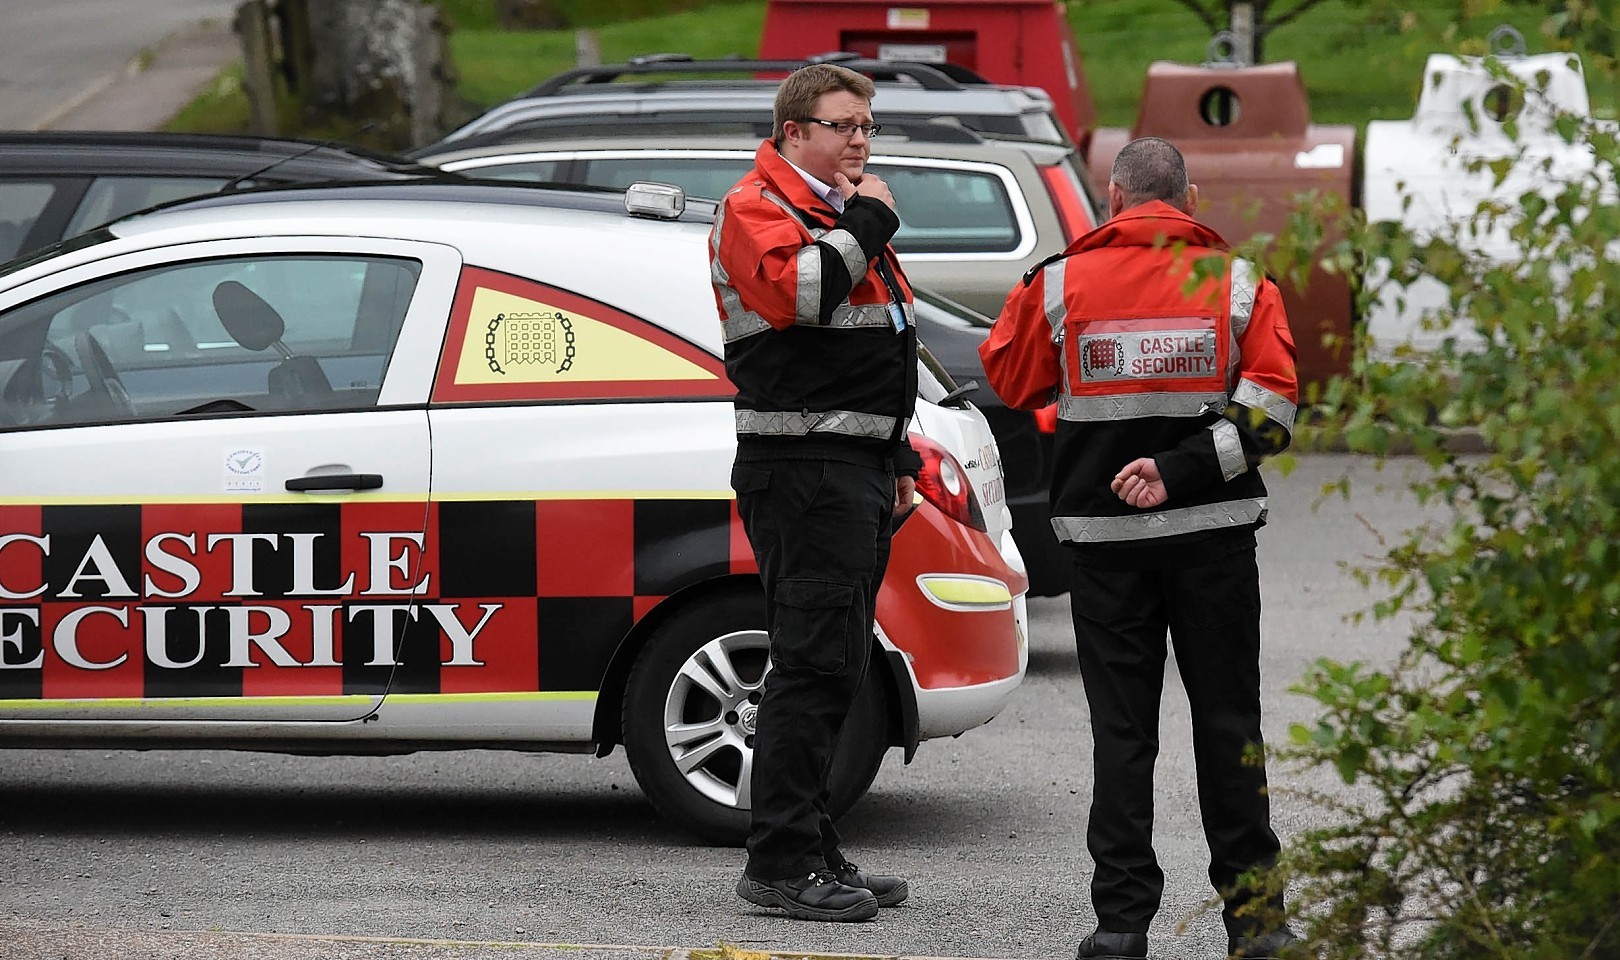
(749, 478)
(815, 625)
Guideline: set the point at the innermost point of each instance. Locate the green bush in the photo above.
(1484, 818)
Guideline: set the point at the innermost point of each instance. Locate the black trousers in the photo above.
(1212, 614)
(820, 533)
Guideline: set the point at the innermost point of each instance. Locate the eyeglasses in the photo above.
(845, 128)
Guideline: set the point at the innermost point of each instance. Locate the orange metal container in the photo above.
(1023, 42)
(1251, 147)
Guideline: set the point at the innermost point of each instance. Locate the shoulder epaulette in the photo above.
(1029, 275)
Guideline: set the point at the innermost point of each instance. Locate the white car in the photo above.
(395, 467)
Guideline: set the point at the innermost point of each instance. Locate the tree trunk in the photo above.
(380, 63)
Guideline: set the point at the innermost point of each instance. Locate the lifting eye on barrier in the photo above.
(1502, 102)
(1220, 107)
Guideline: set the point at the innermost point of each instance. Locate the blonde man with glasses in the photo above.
(820, 340)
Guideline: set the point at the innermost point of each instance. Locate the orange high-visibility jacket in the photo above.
(819, 326)
(1202, 381)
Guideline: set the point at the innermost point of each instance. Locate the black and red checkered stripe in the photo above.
(562, 581)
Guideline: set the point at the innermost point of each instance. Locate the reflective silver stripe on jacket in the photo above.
(850, 250)
(843, 317)
(784, 423)
(807, 299)
(745, 324)
(1165, 523)
(1052, 279)
(1129, 406)
(1274, 405)
(1228, 448)
(730, 300)
(1243, 287)
(1241, 307)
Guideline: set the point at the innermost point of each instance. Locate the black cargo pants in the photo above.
(1212, 614)
(820, 533)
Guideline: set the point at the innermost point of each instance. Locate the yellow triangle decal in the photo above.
(517, 340)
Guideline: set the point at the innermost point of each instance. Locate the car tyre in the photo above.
(688, 718)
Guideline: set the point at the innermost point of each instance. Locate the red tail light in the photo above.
(944, 483)
(1071, 205)
(1046, 418)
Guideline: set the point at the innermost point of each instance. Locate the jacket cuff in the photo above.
(1180, 473)
(870, 222)
(907, 463)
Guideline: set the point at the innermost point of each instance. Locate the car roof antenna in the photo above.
(318, 145)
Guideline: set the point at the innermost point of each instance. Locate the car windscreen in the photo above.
(112, 197)
(22, 202)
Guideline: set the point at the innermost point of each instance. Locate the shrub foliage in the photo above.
(1484, 765)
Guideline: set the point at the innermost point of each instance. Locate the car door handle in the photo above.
(336, 481)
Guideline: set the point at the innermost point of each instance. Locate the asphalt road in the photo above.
(492, 846)
(53, 53)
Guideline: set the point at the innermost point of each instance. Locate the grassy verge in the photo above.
(495, 65)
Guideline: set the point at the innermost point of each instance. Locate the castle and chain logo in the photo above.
(530, 340)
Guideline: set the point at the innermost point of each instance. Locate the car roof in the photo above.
(92, 153)
(597, 97)
(969, 148)
(458, 190)
(933, 76)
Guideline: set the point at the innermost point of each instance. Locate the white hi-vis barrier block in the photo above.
(1425, 174)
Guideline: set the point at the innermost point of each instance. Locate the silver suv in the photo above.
(614, 98)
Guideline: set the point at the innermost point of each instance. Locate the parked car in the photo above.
(711, 94)
(57, 184)
(411, 466)
(975, 214)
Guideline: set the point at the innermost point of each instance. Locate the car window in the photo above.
(527, 171)
(950, 210)
(697, 176)
(1041, 126)
(112, 197)
(941, 210)
(21, 203)
(274, 333)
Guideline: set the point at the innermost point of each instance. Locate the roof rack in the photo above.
(930, 76)
(937, 130)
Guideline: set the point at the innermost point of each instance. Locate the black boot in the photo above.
(888, 890)
(1267, 947)
(814, 896)
(1109, 945)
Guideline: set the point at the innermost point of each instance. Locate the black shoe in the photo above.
(888, 890)
(1108, 945)
(1267, 947)
(814, 896)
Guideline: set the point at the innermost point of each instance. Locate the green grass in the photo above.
(495, 66)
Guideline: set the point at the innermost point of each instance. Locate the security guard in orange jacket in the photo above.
(821, 344)
(1170, 392)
